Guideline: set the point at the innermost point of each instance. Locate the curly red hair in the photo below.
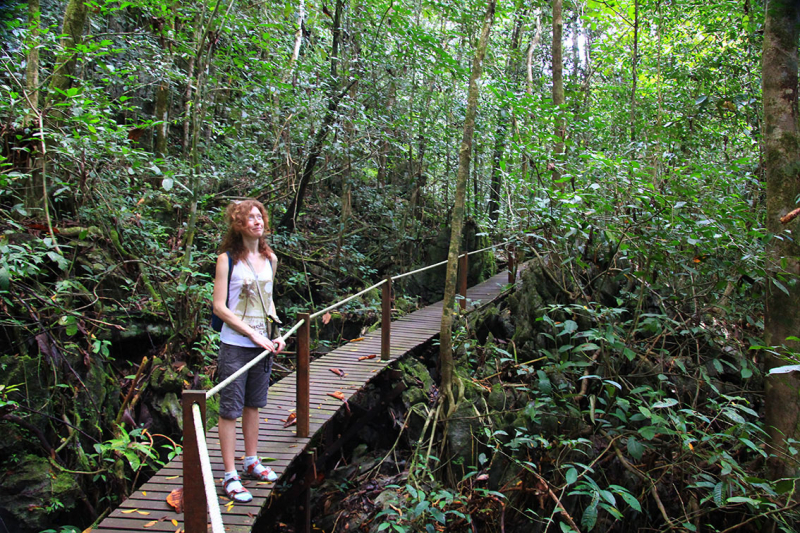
(236, 216)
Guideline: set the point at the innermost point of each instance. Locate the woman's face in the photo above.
(255, 224)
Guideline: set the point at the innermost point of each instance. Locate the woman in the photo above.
(248, 314)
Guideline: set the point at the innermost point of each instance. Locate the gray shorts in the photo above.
(249, 389)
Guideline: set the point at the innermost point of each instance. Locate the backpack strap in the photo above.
(230, 273)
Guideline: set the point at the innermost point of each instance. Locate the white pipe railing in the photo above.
(211, 392)
(208, 477)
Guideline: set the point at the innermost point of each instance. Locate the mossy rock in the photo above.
(34, 493)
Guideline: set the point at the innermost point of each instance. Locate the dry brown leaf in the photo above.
(339, 395)
(357, 340)
(290, 420)
(151, 523)
(337, 371)
(365, 357)
(175, 500)
(129, 511)
(145, 513)
(174, 522)
(326, 318)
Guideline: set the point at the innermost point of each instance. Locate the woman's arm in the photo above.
(279, 342)
(227, 316)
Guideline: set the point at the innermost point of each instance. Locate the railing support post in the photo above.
(386, 319)
(303, 502)
(462, 279)
(303, 386)
(195, 505)
(511, 266)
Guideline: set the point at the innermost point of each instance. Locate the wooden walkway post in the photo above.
(462, 280)
(195, 505)
(386, 319)
(303, 386)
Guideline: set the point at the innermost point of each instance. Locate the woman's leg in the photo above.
(250, 430)
(227, 442)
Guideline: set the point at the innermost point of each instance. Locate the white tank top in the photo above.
(244, 301)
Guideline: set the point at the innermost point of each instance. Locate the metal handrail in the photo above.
(208, 477)
(211, 392)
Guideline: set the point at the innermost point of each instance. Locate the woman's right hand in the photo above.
(262, 341)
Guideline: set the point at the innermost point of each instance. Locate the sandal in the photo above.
(238, 494)
(265, 474)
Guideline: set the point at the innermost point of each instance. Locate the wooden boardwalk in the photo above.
(146, 510)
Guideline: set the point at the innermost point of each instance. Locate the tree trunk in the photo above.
(781, 144)
(558, 89)
(75, 17)
(502, 123)
(634, 70)
(446, 363)
(33, 184)
(289, 218)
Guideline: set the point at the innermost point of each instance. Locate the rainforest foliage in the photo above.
(620, 387)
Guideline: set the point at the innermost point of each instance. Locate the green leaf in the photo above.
(589, 518)
(648, 432)
(569, 327)
(4, 278)
(438, 515)
(667, 402)
(781, 286)
(635, 448)
(717, 494)
(572, 475)
(167, 184)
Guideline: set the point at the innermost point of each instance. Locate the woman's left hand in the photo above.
(279, 344)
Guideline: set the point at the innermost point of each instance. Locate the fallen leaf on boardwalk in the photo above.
(357, 340)
(172, 477)
(293, 446)
(151, 523)
(266, 420)
(290, 420)
(337, 371)
(145, 513)
(144, 493)
(129, 511)
(175, 500)
(229, 506)
(326, 318)
(268, 459)
(174, 522)
(251, 515)
(339, 395)
(363, 357)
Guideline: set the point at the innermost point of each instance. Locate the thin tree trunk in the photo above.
(33, 185)
(634, 71)
(534, 43)
(76, 15)
(781, 148)
(501, 132)
(446, 363)
(558, 89)
(289, 218)
(162, 97)
(32, 67)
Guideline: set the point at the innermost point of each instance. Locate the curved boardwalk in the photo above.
(146, 510)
